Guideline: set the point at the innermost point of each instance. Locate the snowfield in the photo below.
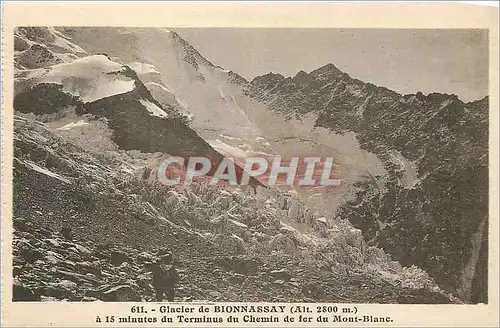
(89, 78)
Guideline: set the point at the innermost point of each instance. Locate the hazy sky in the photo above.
(406, 61)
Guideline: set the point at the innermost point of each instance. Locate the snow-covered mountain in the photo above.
(170, 67)
(98, 86)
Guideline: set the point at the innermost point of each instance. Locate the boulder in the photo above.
(239, 243)
(214, 294)
(45, 231)
(295, 211)
(67, 284)
(82, 249)
(281, 274)
(144, 280)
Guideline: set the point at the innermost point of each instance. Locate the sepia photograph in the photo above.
(236, 164)
(250, 165)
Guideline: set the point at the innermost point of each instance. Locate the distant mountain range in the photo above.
(431, 208)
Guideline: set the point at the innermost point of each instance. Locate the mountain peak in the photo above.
(191, 55)
(302, 78)
(269, 78)
(326, 72)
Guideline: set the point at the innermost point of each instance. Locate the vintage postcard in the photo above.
(249, 164)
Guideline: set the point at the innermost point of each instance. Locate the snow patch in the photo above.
(184, 108)
(71, 125)
(229, 138)
(58, 33)
(164, 88)
(164, 94)
(153, 109)
(182, 103)
(46, 172)
(241, 111)
(446, 103)
(143, 68)
(225, 149)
